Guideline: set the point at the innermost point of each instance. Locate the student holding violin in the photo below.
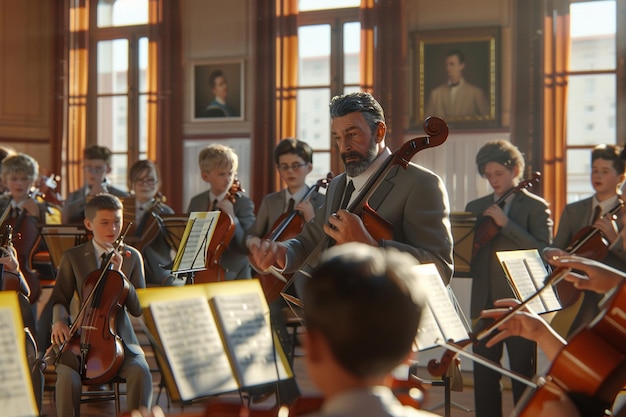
(104, 218)
(294, 159)
(96, 167)
(19, 208)
(522, 221)
(143, 183)
(565, 372)
(600, 211)
(411, 201)
(218, 165)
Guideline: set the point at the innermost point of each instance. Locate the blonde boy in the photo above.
(218, 166)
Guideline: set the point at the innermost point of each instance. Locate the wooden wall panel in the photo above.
(25, 69)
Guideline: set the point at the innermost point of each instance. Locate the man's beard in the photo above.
(356, 168)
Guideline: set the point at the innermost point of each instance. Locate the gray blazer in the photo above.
(76, 264)
(529, 227)
(235, 258)
(414, 200)
(272, 207)
(575, 216)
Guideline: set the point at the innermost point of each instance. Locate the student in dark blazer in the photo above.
(218, 164)
(96, 167)
(103, 217)
(524, 222)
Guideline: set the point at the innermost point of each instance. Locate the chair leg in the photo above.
(116, 389)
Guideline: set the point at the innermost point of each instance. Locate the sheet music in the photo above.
(16, 395)
(193, 346)
(440, 320)
(525, 271)
(249, 338)
(191, 255)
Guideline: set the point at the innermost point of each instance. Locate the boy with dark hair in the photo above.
(361, 321)
(294, 159)
(607, 175)
(96, 166)
(104, 218)
(523, 220)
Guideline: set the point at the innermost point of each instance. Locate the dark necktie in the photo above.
(15, 212)
(346, 195)
(291, 205)
(596, 214)
(102, 259)
(214, 206)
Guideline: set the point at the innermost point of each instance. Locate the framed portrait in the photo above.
(455, 76)
(218, 91)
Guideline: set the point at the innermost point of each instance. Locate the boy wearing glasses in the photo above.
(96, 166)
(144, 184)
(218, 164)
(294, 160)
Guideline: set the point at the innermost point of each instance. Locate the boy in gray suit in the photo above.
(218, 164)
(524, 222)
(104, 218)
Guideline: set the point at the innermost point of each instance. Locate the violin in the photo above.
(486, 228)
(149, 228)
(10, 280)
(223, 234)
(590, 243)
(93, 337)
(46, 189)
(287, 226)
(26, 229)
(591, 368)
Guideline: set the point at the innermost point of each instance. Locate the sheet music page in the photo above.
(191, 255)
(193, 347)
(16, 390)
(249, 338)
(538, 272)
(525, 271)
(440, 320)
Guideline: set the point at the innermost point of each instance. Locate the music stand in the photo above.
(194, 243)
(462, 225)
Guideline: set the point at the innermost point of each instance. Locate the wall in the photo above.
(26, 77)
(427, 15)
(216, 32)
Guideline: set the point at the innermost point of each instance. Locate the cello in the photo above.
(93, 337)
(288, 225)
(591, 368)
(378, 227)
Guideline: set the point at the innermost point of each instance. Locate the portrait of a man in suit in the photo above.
(457, 97)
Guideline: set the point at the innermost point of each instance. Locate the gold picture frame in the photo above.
(476, 102)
